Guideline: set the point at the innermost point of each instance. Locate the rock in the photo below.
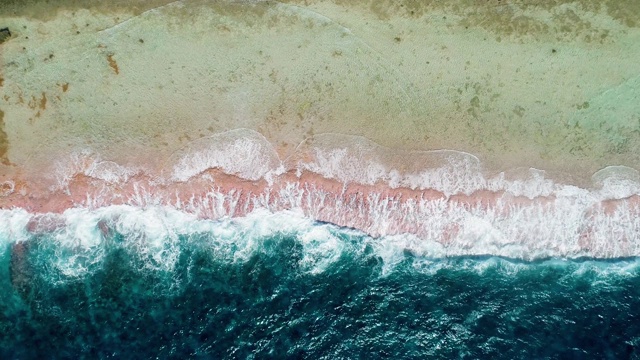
(5, 34)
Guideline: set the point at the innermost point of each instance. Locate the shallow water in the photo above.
(308, 290)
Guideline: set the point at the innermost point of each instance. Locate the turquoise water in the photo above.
(317, 291)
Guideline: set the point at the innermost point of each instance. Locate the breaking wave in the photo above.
(343, 249)
(433, 203)
(124, 280)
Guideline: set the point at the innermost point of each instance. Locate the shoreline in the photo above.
(581, 223)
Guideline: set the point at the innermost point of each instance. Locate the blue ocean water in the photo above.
(318, 291)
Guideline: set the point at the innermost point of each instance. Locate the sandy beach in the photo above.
(552, 86)
(374, 116)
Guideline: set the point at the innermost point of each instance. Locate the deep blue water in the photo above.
(269, 303)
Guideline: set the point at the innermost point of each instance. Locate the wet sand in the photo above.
(481, 219)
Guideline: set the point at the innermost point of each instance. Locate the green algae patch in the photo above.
(561, 20)
(4, 141)
(46, 10)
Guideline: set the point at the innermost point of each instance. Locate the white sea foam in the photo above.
(13, 225)
(351, 159)
(320, 248)
(88, 163)
(617, 182)
(241, 152)
(525, 233)
(157, 235)
(354, 159)
(7, 188)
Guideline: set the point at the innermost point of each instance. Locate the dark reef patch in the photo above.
(5, 34)
(4, 141)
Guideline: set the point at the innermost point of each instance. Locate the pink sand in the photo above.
(370, 208)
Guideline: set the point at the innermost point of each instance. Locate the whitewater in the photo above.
(343, 248)
(434, 204)
(129, 281)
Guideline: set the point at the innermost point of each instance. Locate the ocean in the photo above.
(284, 286)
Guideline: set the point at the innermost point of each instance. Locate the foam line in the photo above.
(435, 203)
